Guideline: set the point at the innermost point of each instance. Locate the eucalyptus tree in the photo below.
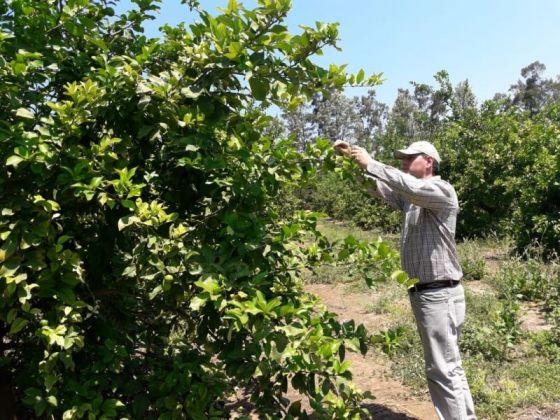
(373, 115)
(534, 91)
(463, 102)
(334, 115)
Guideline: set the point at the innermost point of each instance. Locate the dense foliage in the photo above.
(506, 168)
(349, 201)
(144, 267)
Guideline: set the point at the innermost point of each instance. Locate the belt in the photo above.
(433, 285)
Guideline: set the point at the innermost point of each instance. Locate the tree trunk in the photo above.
(8, 408)
(7, 400)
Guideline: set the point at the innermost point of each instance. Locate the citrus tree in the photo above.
(145, 270)
(504, 163)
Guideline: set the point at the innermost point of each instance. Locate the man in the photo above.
(429, 254)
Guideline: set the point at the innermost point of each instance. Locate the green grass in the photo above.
(329, 275)
(408, 362)
(529, 279)
(383, 305)
(472, 260)
(500, 389)
(390, 302)
(338, 231)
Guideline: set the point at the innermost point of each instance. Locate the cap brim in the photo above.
(403, 153)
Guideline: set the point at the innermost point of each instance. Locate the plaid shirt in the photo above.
(430, 207)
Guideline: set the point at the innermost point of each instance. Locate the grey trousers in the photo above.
(440, 314)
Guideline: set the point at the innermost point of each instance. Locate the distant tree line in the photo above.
(502, 155)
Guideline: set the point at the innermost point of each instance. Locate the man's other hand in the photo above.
(361, 156)
(342, 147)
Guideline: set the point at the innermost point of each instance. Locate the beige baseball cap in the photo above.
(419, 147)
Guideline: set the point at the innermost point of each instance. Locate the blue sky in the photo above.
(484, 41)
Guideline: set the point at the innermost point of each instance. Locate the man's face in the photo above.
(417, 165)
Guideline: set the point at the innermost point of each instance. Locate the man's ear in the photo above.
(430, 161)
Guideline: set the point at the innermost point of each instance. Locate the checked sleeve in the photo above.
(434, 194)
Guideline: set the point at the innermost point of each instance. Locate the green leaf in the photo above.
(197, 302)
(110, 407)
(127, 221)
(14, 161)
(350, 240)
(399, 276)
(144, 101)
(129, 204)
(11, 315)
(343, 254)
(383, 249)
(24, 113)
(360, 76)
(192, 92)
(8, 248)
(295, 407)
(18, 325)
(156, 291)
(353, 344)
(209, 285)
(341, 367)
(232, 5)
(66, 295)
(234, 49)
(259, 88)
(18, 68)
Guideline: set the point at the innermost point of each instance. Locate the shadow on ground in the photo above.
(381, 412)
(377, 411)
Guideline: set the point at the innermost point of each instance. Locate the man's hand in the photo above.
(342, 148)
(361, 156)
